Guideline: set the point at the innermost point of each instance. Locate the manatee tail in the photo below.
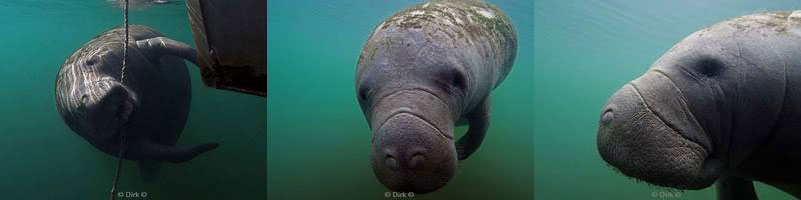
(149, 150)
(149, 169)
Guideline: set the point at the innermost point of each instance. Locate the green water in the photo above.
(583, 52)
(318, 142)
(44, 159)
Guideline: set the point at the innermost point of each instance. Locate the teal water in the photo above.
(584, 51)
(318, 142)
(44, 159)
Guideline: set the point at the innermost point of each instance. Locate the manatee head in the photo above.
(93, 102)
(660, 127)
(638, 135)
(411, 94)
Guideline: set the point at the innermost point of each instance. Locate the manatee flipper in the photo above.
(148, 169)
(479, 123)
(148, 149)
(167, 46)
(730, 188)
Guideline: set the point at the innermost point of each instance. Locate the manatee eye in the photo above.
(607, 116)
(709, 67)
(363, 93)
(458, 80)
(85, 99)
(82, 106)
(454, 78)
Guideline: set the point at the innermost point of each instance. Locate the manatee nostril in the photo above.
(417, 161)
(607, 117)
(391, 162)
(85, 98)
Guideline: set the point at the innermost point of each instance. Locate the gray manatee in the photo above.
(724, 105)
(423, 71)
(150, 106)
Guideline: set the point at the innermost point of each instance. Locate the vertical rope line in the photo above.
(121, 151)
(119, 165)
(125, 45)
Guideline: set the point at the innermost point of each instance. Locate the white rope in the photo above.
(121, 151)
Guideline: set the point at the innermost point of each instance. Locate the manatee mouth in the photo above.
(643, 135)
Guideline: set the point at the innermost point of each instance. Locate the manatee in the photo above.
(150, 106)
(422, 72)
(722, 105)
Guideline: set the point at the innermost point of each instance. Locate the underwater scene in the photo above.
(584, 51)
(46, 159)
(319, 140)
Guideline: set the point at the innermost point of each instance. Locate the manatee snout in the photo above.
(107, 104)
(646, 132)
(413, 148)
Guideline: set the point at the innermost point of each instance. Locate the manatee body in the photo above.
(423, 71)
(724, 105)
(150, 105)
